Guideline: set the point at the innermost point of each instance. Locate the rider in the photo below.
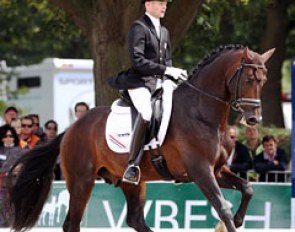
(150, 53)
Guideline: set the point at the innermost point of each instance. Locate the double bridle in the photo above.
(238, 102)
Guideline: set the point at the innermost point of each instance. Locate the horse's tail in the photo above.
(29, 193)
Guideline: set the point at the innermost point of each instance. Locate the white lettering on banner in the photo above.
(147, 207)
(57, 206)
(264, 218)
(169, 218)
(49, 208)
(215, 214)
(110, 215)
(57, 202)
(188, 217)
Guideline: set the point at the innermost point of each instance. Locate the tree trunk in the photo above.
(275, 34)
(105, 23)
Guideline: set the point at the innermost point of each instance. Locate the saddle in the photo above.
(121, 121)
(157, 109)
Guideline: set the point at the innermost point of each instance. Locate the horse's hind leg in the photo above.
(80, 191)
(206, 181)
(227, 179)
(135, 198)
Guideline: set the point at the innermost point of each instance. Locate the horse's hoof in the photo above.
(220, 227)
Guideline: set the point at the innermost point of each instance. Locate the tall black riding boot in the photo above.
(132, 173)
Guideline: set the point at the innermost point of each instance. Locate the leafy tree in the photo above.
(259, 25)
(105, 24)
(35, 29)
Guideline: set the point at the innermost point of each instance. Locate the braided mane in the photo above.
(211, 57)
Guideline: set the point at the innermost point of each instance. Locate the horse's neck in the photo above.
(207, 107)
(198, 108)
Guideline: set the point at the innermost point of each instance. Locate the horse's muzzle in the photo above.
(252, 117)
(251, 121)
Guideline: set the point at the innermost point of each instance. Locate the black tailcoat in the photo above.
(149, 54)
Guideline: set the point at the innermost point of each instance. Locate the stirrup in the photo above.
(136, 182)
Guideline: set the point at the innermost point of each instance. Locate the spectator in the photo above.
(51, 129)
(10, 113)
(10, 151)
(239, 160)
(17, 125)
(271, 158)
(27, 139)
(253, 142)
(37, 130)
(80, 109)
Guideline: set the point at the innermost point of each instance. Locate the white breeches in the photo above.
(141, 98)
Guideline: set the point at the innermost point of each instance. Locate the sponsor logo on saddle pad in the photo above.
(119, 123)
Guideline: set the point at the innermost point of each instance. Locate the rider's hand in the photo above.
(176, 73)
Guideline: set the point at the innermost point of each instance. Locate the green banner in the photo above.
(171, 206)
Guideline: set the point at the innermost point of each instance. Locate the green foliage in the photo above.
(5, 93)
(290, 42)
(221, 22)
(286, 80)
(34, 29)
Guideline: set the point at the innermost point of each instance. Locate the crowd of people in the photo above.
(19, 134)
(263, 156)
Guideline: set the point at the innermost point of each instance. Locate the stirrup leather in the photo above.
(139, 175)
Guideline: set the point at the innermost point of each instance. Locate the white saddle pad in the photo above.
(119, 125)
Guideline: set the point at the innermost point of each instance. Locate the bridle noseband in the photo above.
(238, 102)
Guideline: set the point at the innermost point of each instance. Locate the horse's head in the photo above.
(245, 85)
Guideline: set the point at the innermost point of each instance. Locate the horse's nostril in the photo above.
(252, 120)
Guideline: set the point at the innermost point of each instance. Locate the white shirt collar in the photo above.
(267, 157)
(155, 21)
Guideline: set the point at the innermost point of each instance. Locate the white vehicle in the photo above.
(55, 86)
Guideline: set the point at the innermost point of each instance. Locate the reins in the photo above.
(205, 93)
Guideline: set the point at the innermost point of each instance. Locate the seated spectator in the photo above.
(10, 151)
(17, 125)
(27, 139)
(253, 142)
(271, 158)
(239, 160)
(80, 109)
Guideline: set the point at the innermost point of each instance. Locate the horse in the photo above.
(231, 76)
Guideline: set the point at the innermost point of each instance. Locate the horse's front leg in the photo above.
(203, 175)
(229, 180)
(135, 198)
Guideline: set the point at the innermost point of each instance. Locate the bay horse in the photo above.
(231, 76)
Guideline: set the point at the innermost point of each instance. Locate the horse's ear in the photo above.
(247, 56)
(265, 56)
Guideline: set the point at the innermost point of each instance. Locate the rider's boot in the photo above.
(132, 173)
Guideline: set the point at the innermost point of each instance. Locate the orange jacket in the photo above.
(30, 143)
